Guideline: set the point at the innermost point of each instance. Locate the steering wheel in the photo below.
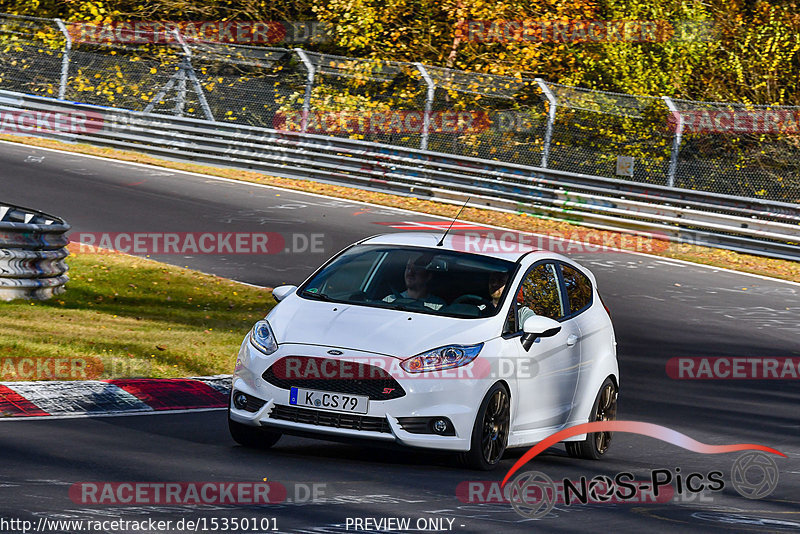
(472, 299)
(395, 293)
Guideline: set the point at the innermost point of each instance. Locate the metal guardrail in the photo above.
(743, 224)
(32, 252)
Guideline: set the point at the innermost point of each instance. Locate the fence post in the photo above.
(310, 75)
(180, 100)
(429, 96)
(676, 141)
(62, 87)
(552, 104)
(186, 70)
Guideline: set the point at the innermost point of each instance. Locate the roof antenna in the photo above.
(441, 241)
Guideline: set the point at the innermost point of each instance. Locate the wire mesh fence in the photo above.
(594, 128)
(378, 101)
(31, 55)
(734, 149)
(740, 150)
(508, 116)
(246, 84)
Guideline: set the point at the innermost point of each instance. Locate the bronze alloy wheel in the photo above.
(605, 409)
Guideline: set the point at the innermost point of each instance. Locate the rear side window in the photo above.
(579, 289)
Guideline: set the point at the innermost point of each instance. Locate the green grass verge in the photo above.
(124, 316)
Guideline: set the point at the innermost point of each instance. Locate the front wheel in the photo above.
(605, 409)
(490, 433)
(252, 436)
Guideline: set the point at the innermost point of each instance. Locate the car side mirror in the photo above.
(281, 292)
(536, 327)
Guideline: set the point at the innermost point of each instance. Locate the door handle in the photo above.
(571, 340)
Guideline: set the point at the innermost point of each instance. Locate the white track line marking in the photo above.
(361, 202)
(106, 414)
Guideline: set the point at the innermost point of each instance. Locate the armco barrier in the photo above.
(32, 253)
(750, 225)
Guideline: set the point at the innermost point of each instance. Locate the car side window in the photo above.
(539, 294)
(510, 325)
(579, 288)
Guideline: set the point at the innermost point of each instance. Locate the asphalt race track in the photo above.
(661, 309)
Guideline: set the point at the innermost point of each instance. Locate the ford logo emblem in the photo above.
(335, 352)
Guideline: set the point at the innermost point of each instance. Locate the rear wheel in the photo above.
(605, 409)
(490, 433)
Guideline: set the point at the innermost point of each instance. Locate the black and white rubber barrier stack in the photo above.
(33, 246)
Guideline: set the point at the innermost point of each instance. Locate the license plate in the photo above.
(326, 400)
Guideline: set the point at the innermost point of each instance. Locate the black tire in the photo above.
(252, 436)
(490, 432)
(596, 444)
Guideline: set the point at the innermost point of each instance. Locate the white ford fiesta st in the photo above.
(423, 341)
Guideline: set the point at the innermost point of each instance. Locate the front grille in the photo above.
(330, 419)
(326, 374)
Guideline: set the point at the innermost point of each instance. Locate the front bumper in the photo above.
(426, 395)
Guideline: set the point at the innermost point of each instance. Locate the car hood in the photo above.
(383, 331)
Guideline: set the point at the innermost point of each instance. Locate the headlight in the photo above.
(262, 337)
(447, 357)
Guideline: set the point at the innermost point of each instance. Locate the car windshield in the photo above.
(438, 282)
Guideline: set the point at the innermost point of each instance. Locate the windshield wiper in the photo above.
(316, 296)
(411, 306)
